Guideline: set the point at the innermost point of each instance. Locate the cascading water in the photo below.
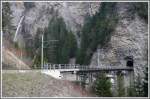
(18, 28)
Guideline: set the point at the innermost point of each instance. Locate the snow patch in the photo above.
(54, 73)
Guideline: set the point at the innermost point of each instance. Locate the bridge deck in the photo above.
(96, 69)
(81, 68)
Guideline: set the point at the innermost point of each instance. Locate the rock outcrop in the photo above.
(130, 38)
(40, 13)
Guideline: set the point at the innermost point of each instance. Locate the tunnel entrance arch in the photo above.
(129, 61)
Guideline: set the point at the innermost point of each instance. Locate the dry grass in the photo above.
(35, 84)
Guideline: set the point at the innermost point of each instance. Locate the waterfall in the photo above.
(18, 28)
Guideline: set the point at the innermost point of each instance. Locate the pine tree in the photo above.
(131, 91)
(96, 31)
(61, 51)
(102, 86)
(142, 10)
(36, 50)
(139, 87)
(145, 85)
(72, 45)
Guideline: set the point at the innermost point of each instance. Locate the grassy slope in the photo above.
(33, 84)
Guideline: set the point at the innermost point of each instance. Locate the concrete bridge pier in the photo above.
(90, 78)
(120, 84)
(125, 80)
(77, 76)
(86, 78)
(114, 83)
(131, 74)
(82, 78)
(128, 80)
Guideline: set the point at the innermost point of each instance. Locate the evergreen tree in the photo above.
(102, 86)
(131, 91)
(72, 45)
(139, 87)
(36, 50)
(145, 85)
(141, 9)
(62, 50)
(97, 30)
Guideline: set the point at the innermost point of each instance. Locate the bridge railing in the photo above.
(62, 66)
(81, 67)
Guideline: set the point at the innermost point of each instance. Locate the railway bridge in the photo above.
(88, 74)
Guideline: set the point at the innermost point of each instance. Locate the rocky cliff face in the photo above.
(129, 39)
(39, 14)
